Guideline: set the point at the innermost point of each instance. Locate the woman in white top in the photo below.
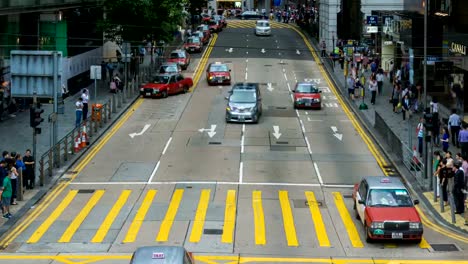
(14, 181)
(373, 88)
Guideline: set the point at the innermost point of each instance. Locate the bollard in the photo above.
(42, 174)
(50, 164)
(109, 112)
(452, 207)
(441, 200)
(19, 193)
(57, 159)
(119, 99)
(124, 92)
(65, 152)
(72, 142)
(104, 113)
(113, 104)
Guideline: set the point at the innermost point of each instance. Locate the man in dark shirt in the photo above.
(28, 160)
(458, 185)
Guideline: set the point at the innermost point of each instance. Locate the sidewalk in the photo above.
(391, 128)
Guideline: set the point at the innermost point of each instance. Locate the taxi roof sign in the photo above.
(158, 255)
(385, 180)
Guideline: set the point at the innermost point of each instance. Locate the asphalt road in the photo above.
(241, 192)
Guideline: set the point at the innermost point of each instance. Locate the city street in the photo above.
(231, 193)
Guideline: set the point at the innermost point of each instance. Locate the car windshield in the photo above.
(168, 68)
(243, 97)
(389, 198)
(176, 55)
(263, 24)
(306, 88)
(218, 68)
(212, 23)
(193, 40)
(161, 79)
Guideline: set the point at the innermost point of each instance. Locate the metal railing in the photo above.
(414, 163)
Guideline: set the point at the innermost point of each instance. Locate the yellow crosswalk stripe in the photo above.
(36, 236)
(166, 224)
(76, 223)
(317, 219)
(259, 218)
(347, 220)
(109, 220)
(199, 221)
(229, 217)
(288, 220)
(139, 217)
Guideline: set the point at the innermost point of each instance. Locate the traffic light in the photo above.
(35, 118)
(428, 121)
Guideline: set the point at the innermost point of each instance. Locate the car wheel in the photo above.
(164, 94)
(368, 238)
(185, 90)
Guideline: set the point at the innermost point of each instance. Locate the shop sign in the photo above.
(458, 48)
(372, 29)
(444, 66)
(372, 20)
(388, 43)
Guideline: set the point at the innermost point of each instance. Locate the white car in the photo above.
(262, 27)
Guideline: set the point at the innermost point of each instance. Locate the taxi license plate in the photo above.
(148, 94)
(192, 49)
(241, 118)
(397, 235)
(308, 104)
(220, 81)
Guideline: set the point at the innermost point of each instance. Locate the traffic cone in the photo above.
(84, 137)
(77, 147)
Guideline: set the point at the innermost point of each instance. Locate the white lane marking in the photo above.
(246, 52)
(313, 120)
(285, 77)
(243, 128)
(306, 113)
(153, 173)
(308, 145)
(284, 70)
(318, 173)
(297, 113)
(242, 144)
(241, 172)
(302, 126)
(167, 145)
(246, 60)
(292, 97)
(205, 182)
(338, 186)
(289, 87)
(246, 76)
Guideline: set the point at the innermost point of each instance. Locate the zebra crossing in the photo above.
(63, 222)
(251, 24)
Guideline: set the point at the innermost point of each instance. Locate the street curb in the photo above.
(38, 196)
(373, 133)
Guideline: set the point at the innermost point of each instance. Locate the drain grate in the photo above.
(302, 203)
(281, 107)
(86, 191)
(444, 247)
(213, 231)
(268, 65)
(282, 142)
(214, 143)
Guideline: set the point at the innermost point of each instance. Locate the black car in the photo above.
(249, 15)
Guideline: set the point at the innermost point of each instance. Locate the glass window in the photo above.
(193, 40)
(306, 88)
(263, 24)
(175, 55)
(389, 198)
(218, 68)
(363, 190)
(161, 79)
(243, 97)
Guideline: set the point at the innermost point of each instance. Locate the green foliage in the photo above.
(135, 20)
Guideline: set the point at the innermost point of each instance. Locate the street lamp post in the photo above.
(425, 3)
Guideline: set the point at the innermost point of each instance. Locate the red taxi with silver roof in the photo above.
(218, 73)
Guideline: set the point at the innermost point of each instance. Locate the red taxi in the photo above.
(164, 85)
(307, 95)
(193, 44)
(205, 17)
(385, 208)
(205, 38)
(205, 29)
(180, 57)
(218, 73)
(215, 26)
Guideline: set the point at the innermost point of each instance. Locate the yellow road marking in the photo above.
(347, 221)
(36, 236)
(75, 224)
(199, 220)
(139, 217)
(109, 220)
(288, 220)
(431, 225)
(259, 218)
(424, 243)
(171, 213)
(317, 219)
(203, 62)
(229, 217)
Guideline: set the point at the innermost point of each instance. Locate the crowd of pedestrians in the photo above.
(13, 166)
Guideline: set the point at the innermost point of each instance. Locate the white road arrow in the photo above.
(211, 131)
(276, 132)
(337, 135)
(269, 87)
(132, 135)
(263, 51)
(229, 50)
(298, 52)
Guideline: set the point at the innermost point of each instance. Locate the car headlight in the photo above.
(415, 225)
(377, 225)
(317, 100)
(211, 77)
(228, 77)
(142, 89)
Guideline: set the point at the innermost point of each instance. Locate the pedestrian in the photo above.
(405, 107)
(323, 47)
(390, 73)
(30, 172)
(78, 111)
(13, 176)
(21, 167)
(420, 133)
(445, 139)
(395, 97)
(458, 185)
(350, 82)
(380, 78)
(463, 140)
(85, 97)
(373, 89)
(6, 193)
(436, 130)
(436, 166)
(454, 123)
(443, 173)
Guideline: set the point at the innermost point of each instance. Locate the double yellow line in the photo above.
(57, 190)
(204, 60)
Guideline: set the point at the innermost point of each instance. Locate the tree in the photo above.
(136, 20)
